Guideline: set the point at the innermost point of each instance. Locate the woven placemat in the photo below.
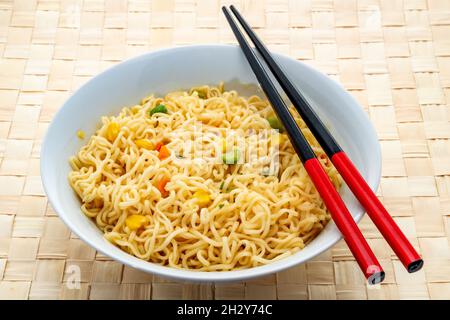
(392, 55)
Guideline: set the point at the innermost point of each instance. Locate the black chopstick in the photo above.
(375, 209)
(342, 217)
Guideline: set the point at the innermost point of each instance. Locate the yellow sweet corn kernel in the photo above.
(144, 143)
(112, 131)
(202, 197)
(80, 134)
(135, 221)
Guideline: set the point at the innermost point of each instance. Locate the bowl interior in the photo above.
(181, 68)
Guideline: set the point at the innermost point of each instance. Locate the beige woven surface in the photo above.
(392, 55)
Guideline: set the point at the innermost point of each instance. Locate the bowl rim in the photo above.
(192, 275)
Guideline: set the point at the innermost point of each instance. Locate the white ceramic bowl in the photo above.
(166, 70)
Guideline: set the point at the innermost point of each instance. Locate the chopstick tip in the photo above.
(376, 278)
(415, 266)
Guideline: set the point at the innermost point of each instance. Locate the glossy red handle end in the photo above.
(376, 211)
(345, 223)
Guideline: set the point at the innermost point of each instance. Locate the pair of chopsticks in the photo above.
(339, 212)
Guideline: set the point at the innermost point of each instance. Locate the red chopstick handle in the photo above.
(345, 223)
(376, 211)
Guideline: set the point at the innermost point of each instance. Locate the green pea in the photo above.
(158, 109)
(275, 123)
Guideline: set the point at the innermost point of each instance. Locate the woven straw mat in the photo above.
(392, 55)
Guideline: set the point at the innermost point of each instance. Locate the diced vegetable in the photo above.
(275, 123)
(144, 143)
(159, 145)
(221, 206)
(202, 197)
(164, 152)
(222, 185)
(161, 185)
(112, 131)
(160, 108)
(80, 134)
(231, 157)
(135, 221)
